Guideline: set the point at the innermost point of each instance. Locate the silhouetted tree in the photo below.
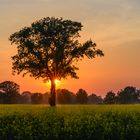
(49, 49)
(36, 98)
(110, 98)
(9, 86)
(81, 96)
(10, 92)
(64, 96)
(94, 99)
(129, 95)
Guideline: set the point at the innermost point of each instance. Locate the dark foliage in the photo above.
(94, 99)
(9, 92)
(64, 96)
(129, 95)
(49, 48)
(81, 96)
(110, 98)
(36, 98)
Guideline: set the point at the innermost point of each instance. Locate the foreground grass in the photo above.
(70, 122)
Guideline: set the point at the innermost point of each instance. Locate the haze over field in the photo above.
(114, 25)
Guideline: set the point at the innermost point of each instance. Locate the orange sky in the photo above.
(113, 24)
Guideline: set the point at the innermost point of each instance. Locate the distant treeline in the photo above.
(9, 94)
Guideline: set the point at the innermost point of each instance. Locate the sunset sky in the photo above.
(113, 24)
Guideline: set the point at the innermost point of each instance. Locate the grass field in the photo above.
(70, 122)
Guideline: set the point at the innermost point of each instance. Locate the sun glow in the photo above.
(57, 83)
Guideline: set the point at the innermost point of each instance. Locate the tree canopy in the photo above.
(81, 96)
(49, 48)
(110, 98)
(129, 94)
(9, 92)
(9, 87)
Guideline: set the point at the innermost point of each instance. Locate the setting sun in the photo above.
(57, 83)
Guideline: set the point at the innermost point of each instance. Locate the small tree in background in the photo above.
(110, 98)
(9, 86)
(65, 96)
(94, 99)
(10, 92)
(49, 48)
(81, 96)
(129, 95)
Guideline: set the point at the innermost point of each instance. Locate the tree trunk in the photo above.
(52, 99)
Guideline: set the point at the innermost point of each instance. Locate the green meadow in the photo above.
(70, 122)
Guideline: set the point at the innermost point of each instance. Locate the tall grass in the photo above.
(70, 122)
